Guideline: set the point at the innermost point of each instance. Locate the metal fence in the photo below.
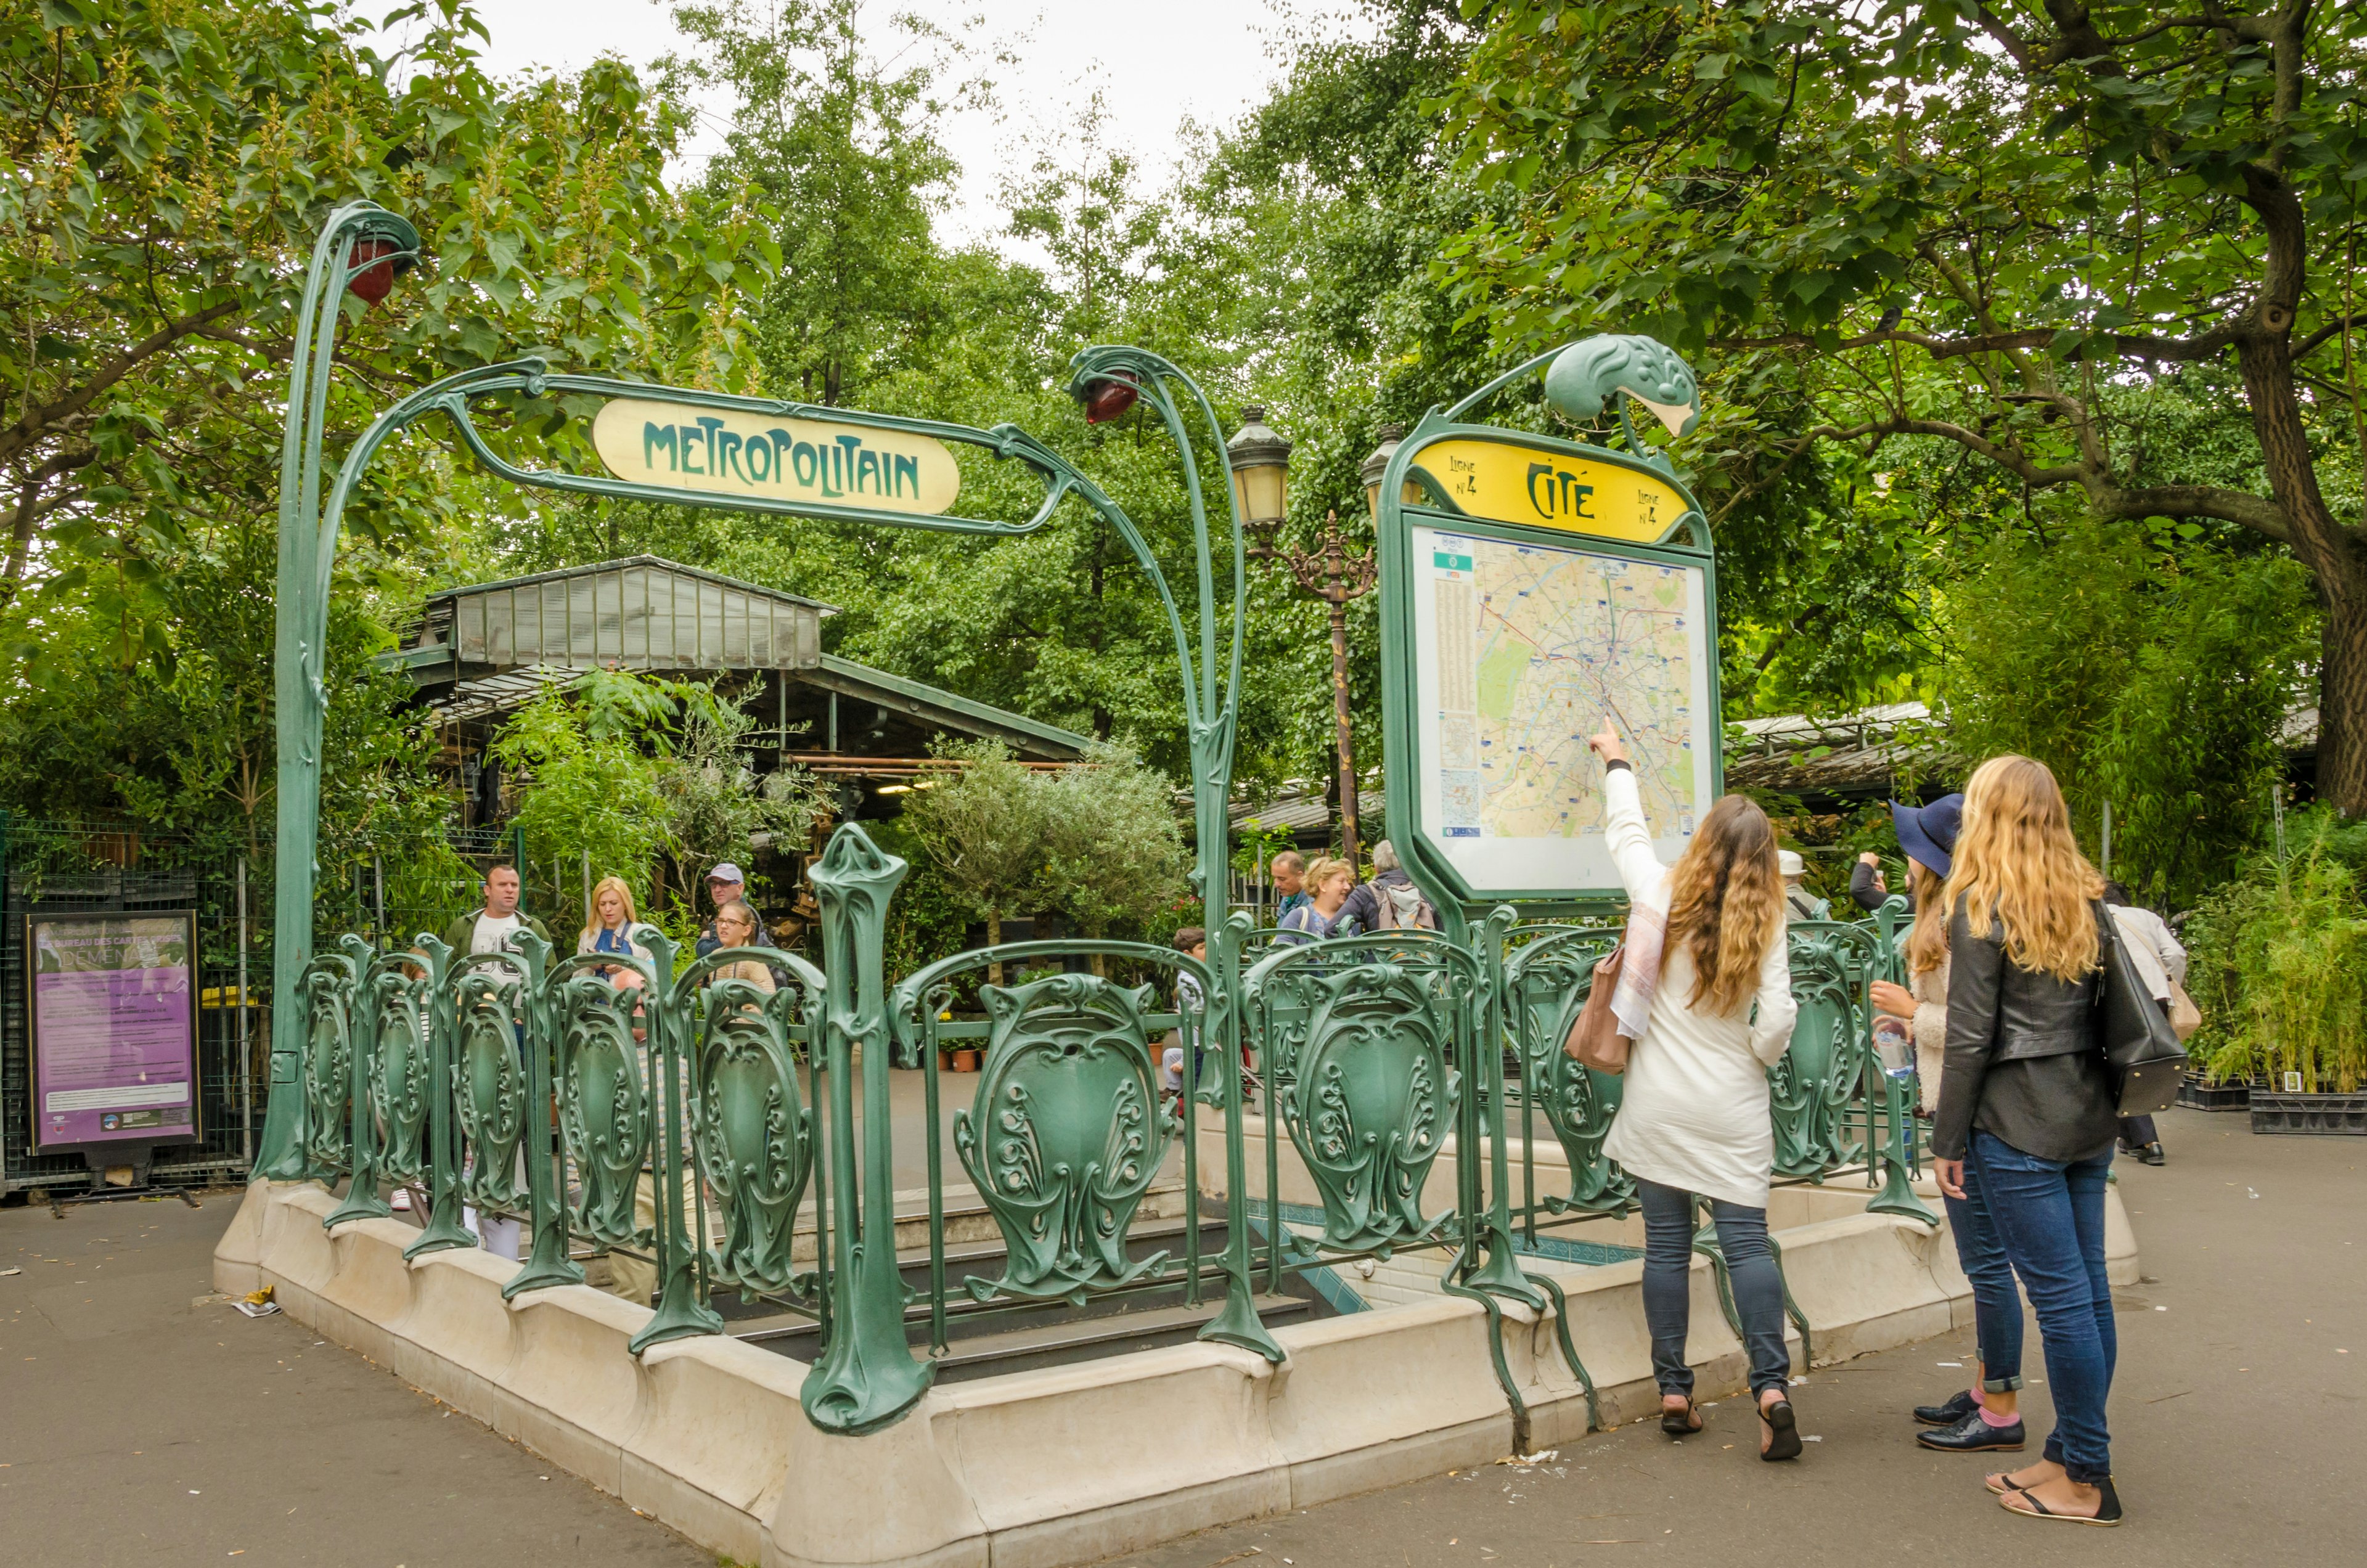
(67, 869)
(733, 1135)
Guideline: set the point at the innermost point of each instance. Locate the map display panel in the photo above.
(1521, 650)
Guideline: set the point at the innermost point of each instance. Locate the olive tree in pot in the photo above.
(983, 820)
(1115, 854)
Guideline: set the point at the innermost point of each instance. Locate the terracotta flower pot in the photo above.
(966, 1061)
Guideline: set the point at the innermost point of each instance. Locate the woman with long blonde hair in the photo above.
(1705, 994)
(2025, 1098)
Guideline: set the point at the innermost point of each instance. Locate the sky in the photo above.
(1158, 67)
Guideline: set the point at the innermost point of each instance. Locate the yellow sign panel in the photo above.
(1548, 488)
(731, 452)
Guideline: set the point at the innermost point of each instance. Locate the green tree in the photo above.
(164, 167)
(1979, 224)
(984, 822)
(1114, 854)
(844, 155)
(2155, 683)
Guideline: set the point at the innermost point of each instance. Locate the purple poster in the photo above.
(114, 1037)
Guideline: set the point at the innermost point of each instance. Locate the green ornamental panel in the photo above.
(1823, 1068)
(328, 1064)
(399, 1075)
(604, 1109)
(490, 1089)
(754, 1135)
(1373, 1097)
(1064, 1136)
(1548, 981)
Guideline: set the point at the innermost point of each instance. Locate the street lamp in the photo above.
(1261, 464)
(1373, 467)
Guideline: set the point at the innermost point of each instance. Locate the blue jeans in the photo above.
(1668, 1295)
(1997, 1303)
(2050, 1215)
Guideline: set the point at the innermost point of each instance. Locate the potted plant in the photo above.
(2280, 972)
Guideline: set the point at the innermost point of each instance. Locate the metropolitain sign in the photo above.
(733, 452)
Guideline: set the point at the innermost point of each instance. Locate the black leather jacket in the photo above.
(2022, 1059)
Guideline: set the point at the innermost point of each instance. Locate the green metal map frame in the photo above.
(1684, 542)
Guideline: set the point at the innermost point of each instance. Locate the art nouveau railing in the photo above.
(703, 1126)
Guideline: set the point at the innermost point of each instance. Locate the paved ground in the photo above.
(2239, 1421)
(142, 1422)
(139, 1424)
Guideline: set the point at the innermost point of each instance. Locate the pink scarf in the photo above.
(1639, 971)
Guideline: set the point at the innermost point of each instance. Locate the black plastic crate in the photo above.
(2324, 1114)
(2196, 1095)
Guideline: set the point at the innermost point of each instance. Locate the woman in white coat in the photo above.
(1707, 950)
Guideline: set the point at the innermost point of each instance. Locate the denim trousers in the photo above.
(2050, 1215)
(1668, 1291)
(1996, 1303)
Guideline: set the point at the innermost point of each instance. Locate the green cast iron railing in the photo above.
(701, 1122)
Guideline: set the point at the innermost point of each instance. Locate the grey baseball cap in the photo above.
(727, 871)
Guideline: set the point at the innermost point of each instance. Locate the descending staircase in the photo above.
(989, 1338)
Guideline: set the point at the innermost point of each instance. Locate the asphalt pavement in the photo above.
(2238, 1418)
(144, 1421)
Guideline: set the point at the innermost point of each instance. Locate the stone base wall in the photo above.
(1042, 1468)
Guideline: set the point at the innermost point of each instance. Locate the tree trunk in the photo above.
(994, 939)
(2336, 564)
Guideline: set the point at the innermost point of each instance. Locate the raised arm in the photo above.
(1627, 833)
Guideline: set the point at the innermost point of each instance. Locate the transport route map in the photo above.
(1536, 645)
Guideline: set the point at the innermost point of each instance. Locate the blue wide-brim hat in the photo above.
(1928, 833)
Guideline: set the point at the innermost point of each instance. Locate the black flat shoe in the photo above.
(1974, 1435)
(1784, 1431)
(1960, 1405)
(2151, 1154)
(1681, 1423)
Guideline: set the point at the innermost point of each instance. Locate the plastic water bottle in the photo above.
(1894, 1046)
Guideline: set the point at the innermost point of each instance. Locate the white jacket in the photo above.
(1695, 1113)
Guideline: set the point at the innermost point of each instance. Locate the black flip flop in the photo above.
(1783, 1428)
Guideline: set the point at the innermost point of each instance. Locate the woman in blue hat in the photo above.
(1986, 1416)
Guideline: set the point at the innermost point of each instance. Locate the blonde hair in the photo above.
(592, 926)
(1322, 869)
(1927, 940)
(2017, 863)
(1725, 902)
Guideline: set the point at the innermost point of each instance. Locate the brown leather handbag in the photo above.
(1595, 1040)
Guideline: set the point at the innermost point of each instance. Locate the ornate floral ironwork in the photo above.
(754, 1134)
(1371, 1102)
(604, 1109)
(329, 987)
(1065, 1135)
(490, 1089)
(1547, 981)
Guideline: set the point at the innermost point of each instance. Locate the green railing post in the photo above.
(866, 1376)
(548, 1263)
(443, 1228)
(682, 1310)
(1489, 1219)
(362, 1201)
(1238, 1322)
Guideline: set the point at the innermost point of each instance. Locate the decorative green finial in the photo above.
(1586, 375)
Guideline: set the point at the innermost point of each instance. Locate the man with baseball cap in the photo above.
(724, 884)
